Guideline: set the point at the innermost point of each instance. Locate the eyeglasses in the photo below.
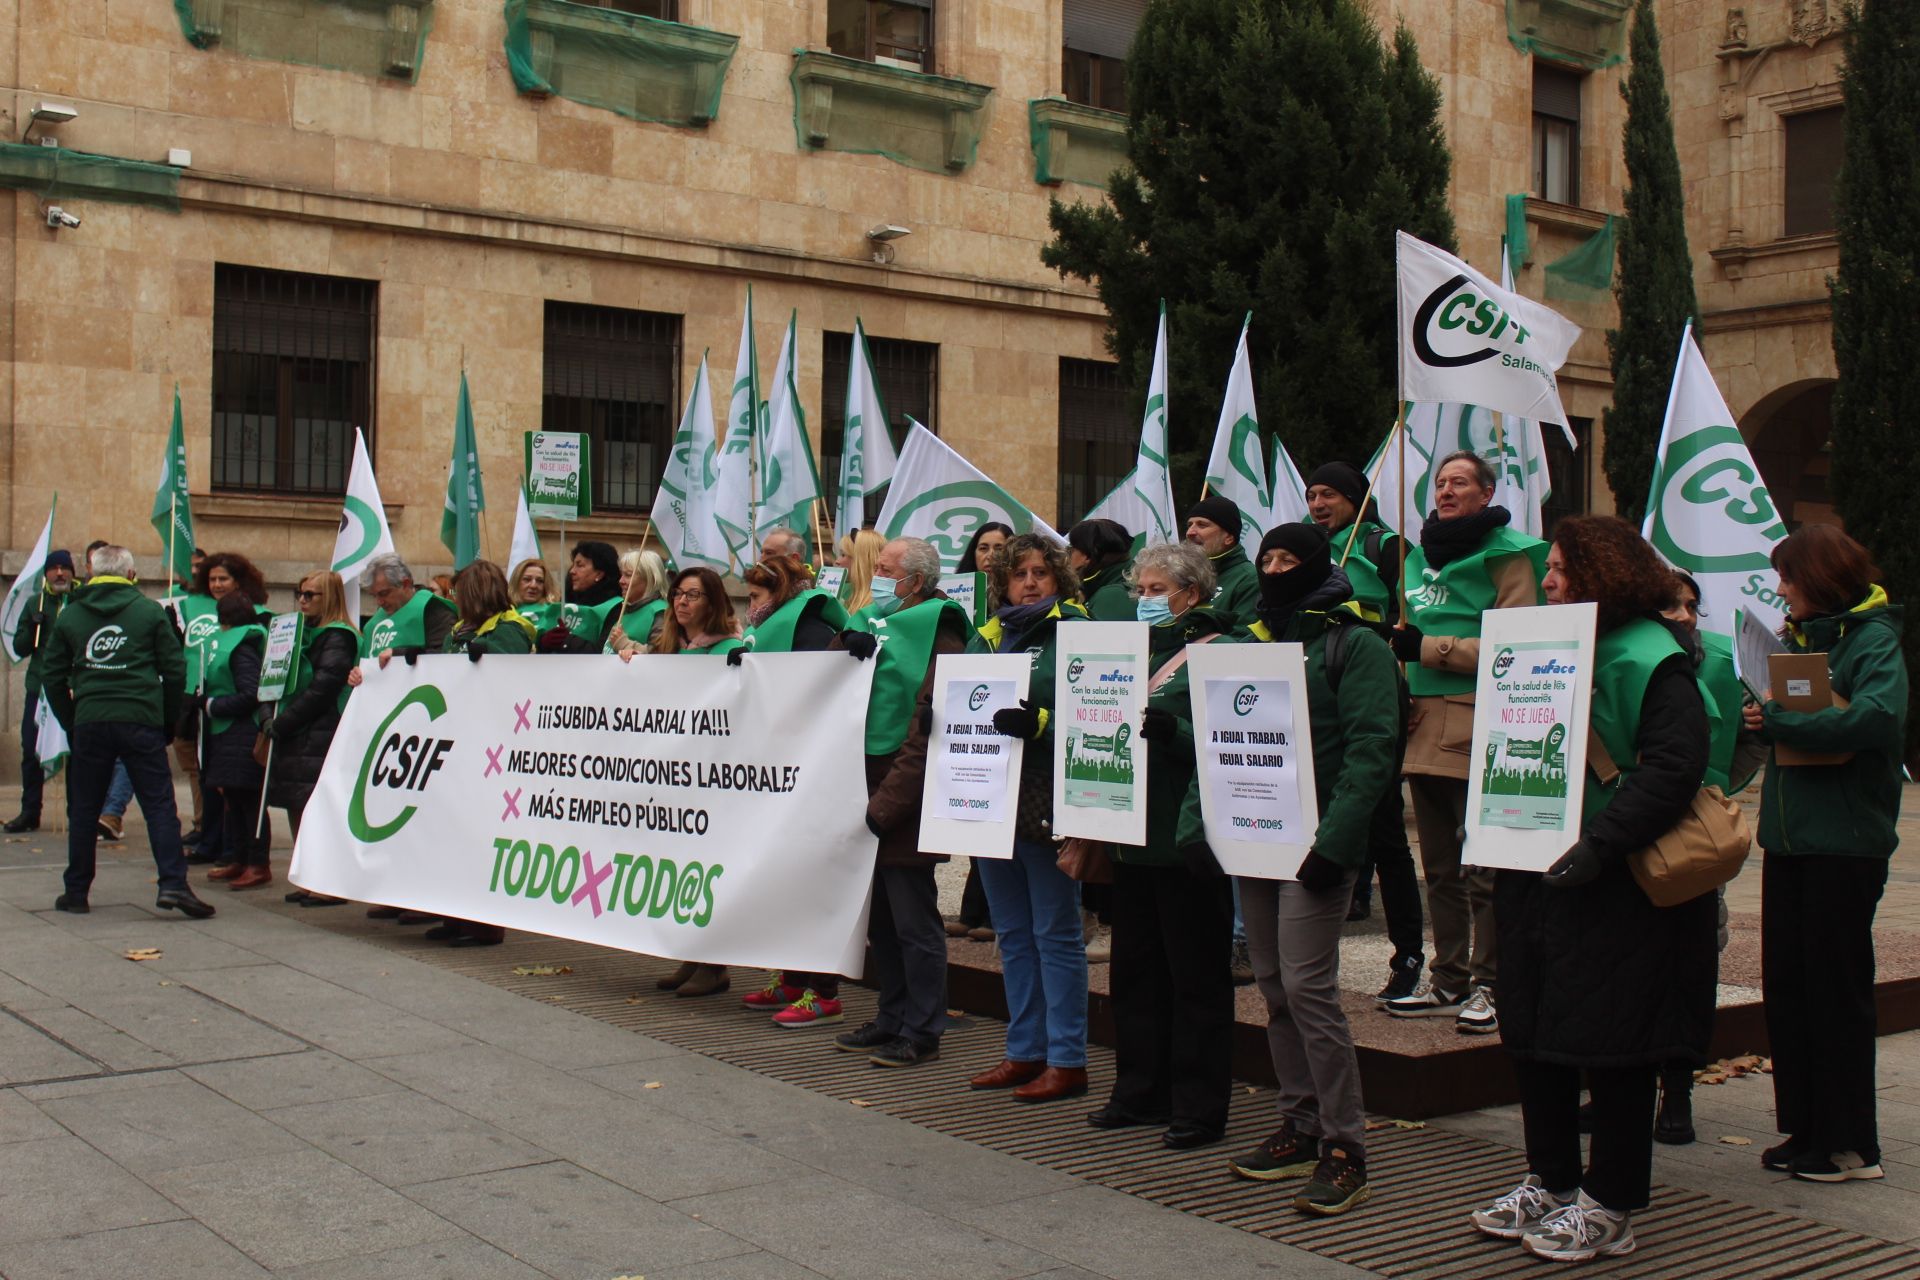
(308, 595)
(689, 594)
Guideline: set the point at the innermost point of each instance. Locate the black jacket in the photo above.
(303, 728)
(1597, 976)
(229, 758)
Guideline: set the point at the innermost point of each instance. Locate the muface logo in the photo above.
(1502, 663)
(1245, 698)
(978, 698)
(104, 645)
(398, 761)
(1458, 310)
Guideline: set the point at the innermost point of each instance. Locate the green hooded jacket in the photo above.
(1108, 597)
(25, 644)
(114, 657)
(1171, 765)
(1237, 589)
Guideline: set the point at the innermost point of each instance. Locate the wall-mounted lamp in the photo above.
(881, 238)
(52, 113)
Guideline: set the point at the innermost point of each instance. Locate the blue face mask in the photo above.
(1153, 610)
(886, 595)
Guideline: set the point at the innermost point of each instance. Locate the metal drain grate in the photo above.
(1423, 1179)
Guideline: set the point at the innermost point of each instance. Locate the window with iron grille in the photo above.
(895, 32)
(1567, 469)
(612, 374)
(908, 374)
(1815, 143)
(1556, 133)
(1098, 444)
(1093, 57)
(292, 378)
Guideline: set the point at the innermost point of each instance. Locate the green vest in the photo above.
(303, 669)
(220, 666)
(775, 635)
(900, 667)
(637, 624)
(1369, 586)
(723, 646)
(199, 618)
(590, 622)
(1449, 601)
(1624, 660)
(404, 629)
(544, 617)
(1726, 698)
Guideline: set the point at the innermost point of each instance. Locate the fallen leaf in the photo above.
(165, 983)
(541, 970)
(144, 953)
(1731, 1141)
(633, 999)
(859, 1102)
(1409, 1124)
(651, 1084)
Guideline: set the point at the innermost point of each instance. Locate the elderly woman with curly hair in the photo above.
(1594, 977)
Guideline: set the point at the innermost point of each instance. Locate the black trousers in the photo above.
(974, 912)
(1620, 1173)
(1389, 855)
(241, 807)
(96, 747)
(908, 942)
(33, 779)
(1172, 992)
(1816, 966)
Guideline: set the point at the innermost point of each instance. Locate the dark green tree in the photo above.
(1876, 303)
(1655, 288)
(1276, 146)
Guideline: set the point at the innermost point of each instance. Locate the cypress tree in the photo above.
(1275, 147)
(1655, 288)
(1876, 303)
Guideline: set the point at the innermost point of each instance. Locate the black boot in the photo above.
(22, 822)
(1674, 1125)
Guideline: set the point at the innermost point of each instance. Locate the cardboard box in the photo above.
(1801, 682)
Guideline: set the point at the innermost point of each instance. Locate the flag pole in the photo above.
(819, 535)
(1353, 530)
(1400, 426)
(173, 529)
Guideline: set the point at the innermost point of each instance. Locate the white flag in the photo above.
(733, 500)
(1237, 467)
(683, 508)
(789, 480)
(24, 596)
(1289, 491)
(526, 539)
(938, 495)
(1151, 478)
(50, 740)
(1465, 340)
(1403, 494)
(1708, 512)
(1125, 507)
(363, 524)
(867, 459)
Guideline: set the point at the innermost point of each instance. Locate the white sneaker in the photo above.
(1428, 1002)
(1579, 1232)
(1841, 1166)
(1519, 1209)
(1476, 1016)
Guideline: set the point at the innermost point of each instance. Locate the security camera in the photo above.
(58, 217)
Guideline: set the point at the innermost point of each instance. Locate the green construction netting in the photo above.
(1517, 231)
(1585, 33)
(1069, 145)
(372, 37)
(56, 173)
(1587, 272)
(643, 68)
(911, 117)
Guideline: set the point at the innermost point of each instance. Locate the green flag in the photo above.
(466, 499)
(172, 509)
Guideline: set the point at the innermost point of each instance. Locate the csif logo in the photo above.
(1710, 473)
(1502, 663)
(1075, 669)
(202, 629)
(105, 644)
(397, 760)
(978, 698)
(1456, 311)
(1245, 699)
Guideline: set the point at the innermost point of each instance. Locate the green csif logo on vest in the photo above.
(397, 760)
(202, 629)
(1711, 468)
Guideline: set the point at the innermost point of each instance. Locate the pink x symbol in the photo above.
(513, 803)
(493, 760)
(520, 716)
(592, 887)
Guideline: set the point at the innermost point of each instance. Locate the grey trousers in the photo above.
(1461, 905)
(909, 952)
(1293, 936)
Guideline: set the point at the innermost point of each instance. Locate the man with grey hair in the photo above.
(114, 676)
(408, 621)
(785, 542)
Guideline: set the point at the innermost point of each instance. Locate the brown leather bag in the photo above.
(1088, 861)
(1702, 851)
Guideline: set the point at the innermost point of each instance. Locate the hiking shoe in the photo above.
(1780, 1159)
(1339, 1182)
(1241, 966)
(109, 827)
(775, 995)
(1287, 1154)
(1523, 1207)
(865, 1040)
(809, 1010)
(1841, 1166)
(904, 1053)
(1476, 1016)
(1403, 979)
(1426, 1002)
(1578, 1232)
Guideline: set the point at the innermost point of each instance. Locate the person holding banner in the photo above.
(28, 641)
(1294, 926)
(1594, 978)
(593, 599)
(1172, 994)
(303, 724)
(643, 585)
(1101, 552)
(1828, 831)
(1214, 525)
(858, 551)
(1036, 906)
(700, 620)
(1469, 560)
(407, 621)
(230, 705)
(533, 595)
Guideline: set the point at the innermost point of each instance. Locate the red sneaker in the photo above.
(809, 1010)
(775, 995)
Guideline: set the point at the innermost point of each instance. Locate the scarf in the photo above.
(1324, 596)
(1444, 541)
(1018, 621)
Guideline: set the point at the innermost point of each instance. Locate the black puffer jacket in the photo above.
(303, 728)
(229, 756)
(1597, 976)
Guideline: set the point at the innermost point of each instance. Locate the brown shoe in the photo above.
(228, 872)
(980, 933)
(675, 980)
(1053, 1083)
(1007, 1075)
(251, 878)
(707, 980)
(955, 929)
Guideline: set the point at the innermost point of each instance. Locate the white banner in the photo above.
(673, 805)
(973, 773)
(1255, 741)
(1099, 761)
(1526, 771)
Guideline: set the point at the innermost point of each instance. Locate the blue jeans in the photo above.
(1239, 919)
(119, 793)
(142, 750)
(1043, 955)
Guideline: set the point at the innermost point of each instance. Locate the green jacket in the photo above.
(26, 642)
(1108, 597)
(1846, 808)
(508, 632)
(1237, 585)
(115, 657)
(1171, 765)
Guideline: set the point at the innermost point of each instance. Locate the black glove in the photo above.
(1200, 860)
(1320, 874)
(413, 657)
(1577, 866)
(474, 651)
(736, 656)
(1021, 722)
(187, 727)
(926, 720)
(1157, 725)
(1406, 642)
(272, 729)
(861, 644)
(553, 640)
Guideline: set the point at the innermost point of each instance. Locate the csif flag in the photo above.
(733, 506)
(526, 538)
(24, 596)
(466, 497)
(363, 521)
(1237, 467)
(1152, 480)
(50, 738)
(867, 458)
(789, 480)
(939, 496)
(172, 509)
(683, 508)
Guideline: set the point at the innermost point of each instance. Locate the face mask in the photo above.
(886, 597)
(1153, 610)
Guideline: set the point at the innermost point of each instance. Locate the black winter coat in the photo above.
(1597, 976)
(303, 728)
(229, 756)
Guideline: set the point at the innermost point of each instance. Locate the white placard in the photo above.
(1099, 762)
(1254, 736)
(673, 805)
(973, 774)
(1527, 768)
(831, 579)
(969, 591)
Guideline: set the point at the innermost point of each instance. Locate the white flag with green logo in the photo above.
(24, 596)
(1401, 472)
(1237, 467)
(50, 740)
(867, 458)
(1465, 340)
(363, 522)
(1708, 512)
(1152, 479)
(683, 516)
(1289, 491)
(789, 480)
(938, 495)
(1125, 507)
(733, 506)
(526, 538)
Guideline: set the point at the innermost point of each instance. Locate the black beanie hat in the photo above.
(1280, 592)
(1344, 479)
(64, 560)
(1217, 509)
